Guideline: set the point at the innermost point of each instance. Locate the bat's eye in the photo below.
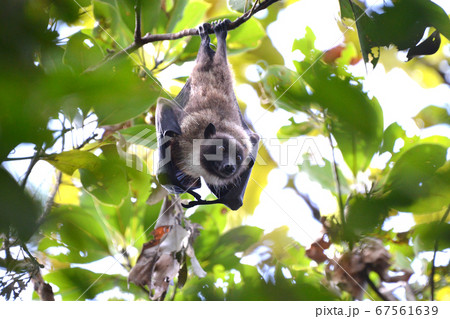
(239, 158)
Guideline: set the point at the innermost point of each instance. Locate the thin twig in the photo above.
(24, 158)
(312, 206)
(374, 287)
(148, 38)
(86, 141)
(433, 270)
(137, 29)
(338, 182)
(7, 245)
(433, 267)
(34, 160)
(33, 259)
(51, 198)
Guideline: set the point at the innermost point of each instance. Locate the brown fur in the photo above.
(211, 100)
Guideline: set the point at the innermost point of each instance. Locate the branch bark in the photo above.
(433, 262)
(140, 41)
(374, 287)
(338, 182)
(43, 289)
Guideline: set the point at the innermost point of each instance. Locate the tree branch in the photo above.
(338, 182)
(374, 287)
(33, 162)
(137, 23)
(148, 38)
(24, 158)
(433, 267)
(312, 206)
(32, 258)
(51, 198)
(43, 289)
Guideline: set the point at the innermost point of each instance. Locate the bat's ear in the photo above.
(254, 138)
(210, 130)
(167, 116)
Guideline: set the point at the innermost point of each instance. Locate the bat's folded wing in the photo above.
(168, 114)
(232, 195)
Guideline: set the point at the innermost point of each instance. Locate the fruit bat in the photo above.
(201, 133)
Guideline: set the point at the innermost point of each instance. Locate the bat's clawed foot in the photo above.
(203, 30)
(220, 28)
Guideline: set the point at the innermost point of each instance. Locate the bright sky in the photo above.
(400, 97)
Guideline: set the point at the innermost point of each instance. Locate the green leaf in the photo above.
(248, 36)
(21, 121)
(140, 181)
(436, 17)
(240, 237)
(346, 9)
(306, 46)
(117, 96)
(426, 235)
(401, 23)
(141, 134)
(213, 220)
(126, 11)
(392, 133)
(104, 12)
(193, 14)
(189, 52)
(68, 162)
(84, 3)
(176, 14)
(118, 217)
(82, 52)
(51, 59)
(249, 284)
(82, 284)
(77, 230)
(127, 111)
(236, 240)
(283, 249)
(324, 175)
(428, 46)
(413, 141)
(109, 21)
(432, 115)
(355, 120)
(364, 215)
(107, 182)
(296, 129)
(65, 10)
(18, 209)
(416, 176)
(114, 92)
(436, 194)
(150, 11)
(239, 5)
(302, 286)
(285, 88)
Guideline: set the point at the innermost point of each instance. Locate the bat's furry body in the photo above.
(206, 110)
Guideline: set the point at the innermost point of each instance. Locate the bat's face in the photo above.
(222, 156)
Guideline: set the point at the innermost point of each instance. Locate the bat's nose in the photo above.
(228, 169)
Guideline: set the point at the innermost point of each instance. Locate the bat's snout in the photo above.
(228, 169)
